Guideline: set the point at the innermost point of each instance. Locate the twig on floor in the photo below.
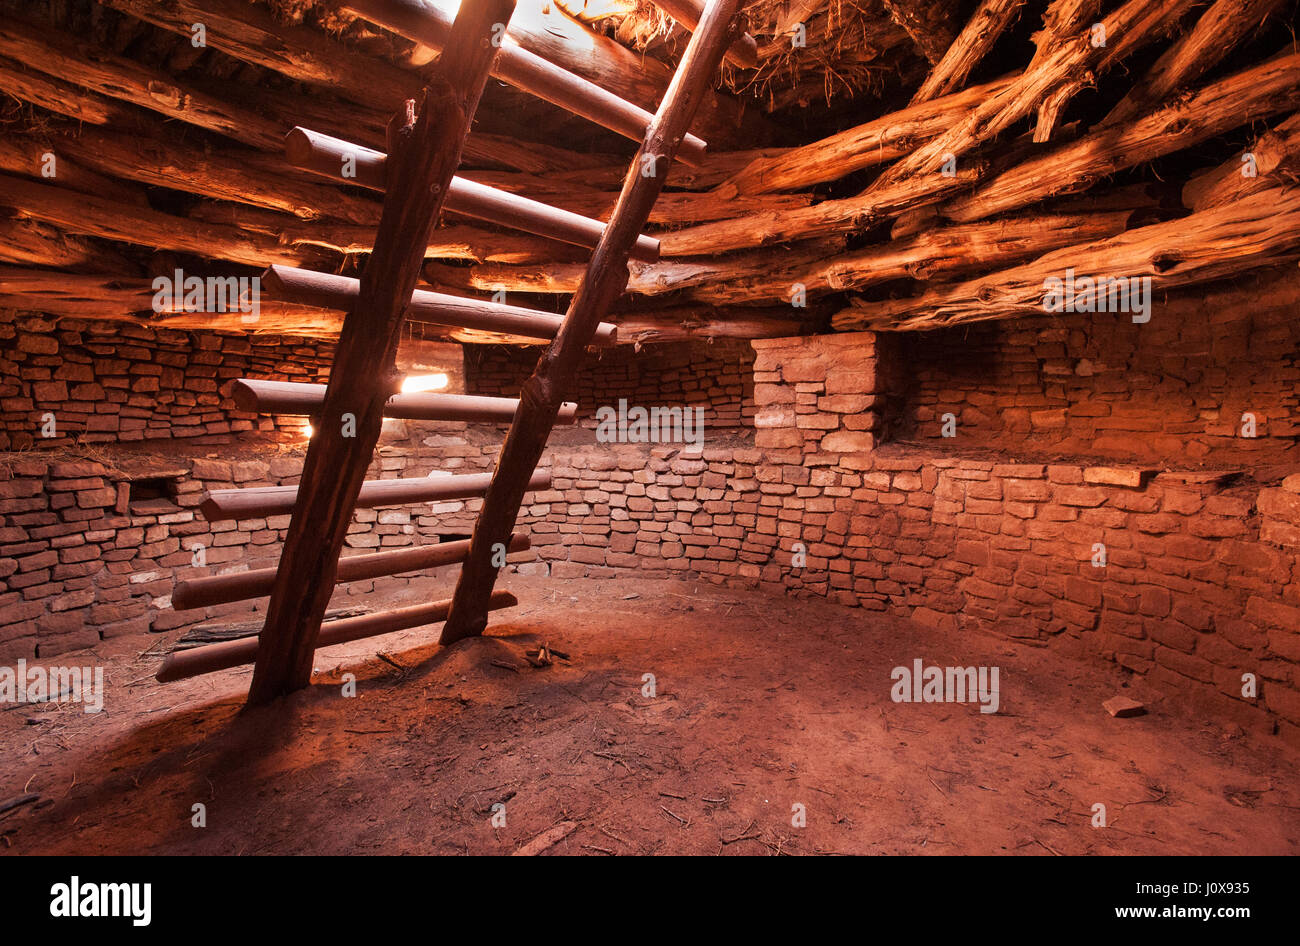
(678, 817)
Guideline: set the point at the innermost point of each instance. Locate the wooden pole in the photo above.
(313, 151)
(606, 278)
(227, 654)
(307, 287)
(295, 397)
(423, 157)
(256, 502)
(210, 590)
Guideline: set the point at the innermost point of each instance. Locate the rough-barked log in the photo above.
(1063, 22)
(875, 142)
(1061, 64)
(845, 215)
(786, 276)
(26, 155)
(306, 287)
(31, 242)
(743, 53)
(673, 209)
(256, 502)
(298, 398)
(251, 33)
(720, 166)
(982, 31)
(427, 22)
(328, 156)
(457, 241)
(228, 103)
(90, 215)
(223, 656)
(540, 395)
(55, 95)
(88, 65)
(928, 22)
(205, 592)
(231, 173)
(423, 155)
(706, 322)
(1260, 230)
(1256, 93)
(1272, 155)
(1222, 25)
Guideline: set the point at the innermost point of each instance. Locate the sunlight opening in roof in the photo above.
(415, 383)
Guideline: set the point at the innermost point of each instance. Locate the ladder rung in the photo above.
(325, 155)
(257, 501)
(227, 654)
(257, 583)
(323, 290)
(421, 23)
(299, 398)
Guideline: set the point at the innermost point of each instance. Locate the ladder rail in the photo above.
(605, 280)
(423, 156)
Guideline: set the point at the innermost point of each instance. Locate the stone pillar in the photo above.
(820, 396)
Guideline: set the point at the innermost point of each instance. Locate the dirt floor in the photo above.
(762, 704)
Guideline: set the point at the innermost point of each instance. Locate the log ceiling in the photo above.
(872, 164)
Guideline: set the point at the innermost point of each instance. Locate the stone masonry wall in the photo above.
(1196, 588)
(1174, 388)
(718, 376)
(105, 382)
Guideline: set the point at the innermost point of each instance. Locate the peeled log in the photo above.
(1261, 230)
(211, 590)
(551, 34)
(341, 292)
(556, 75)
(1256, 93)
(323, 154)
(212, 657)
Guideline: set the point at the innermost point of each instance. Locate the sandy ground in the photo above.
(762, 704)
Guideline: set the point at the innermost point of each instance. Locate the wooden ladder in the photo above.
(418, 180)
